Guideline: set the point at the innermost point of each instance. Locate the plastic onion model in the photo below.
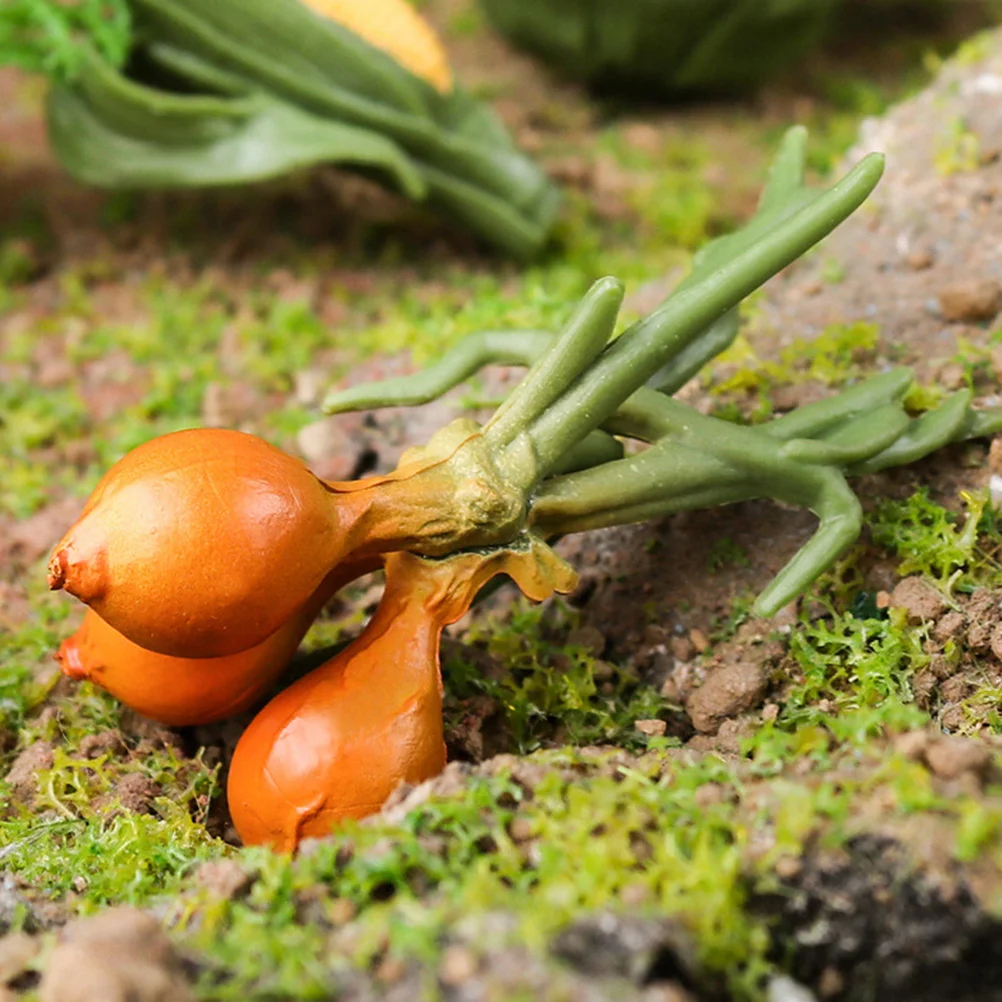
(336, 744)
(187, 691)
(203, 543)
(235, 91)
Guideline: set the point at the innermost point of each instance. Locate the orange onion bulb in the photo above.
(337, 743)
(182, 692)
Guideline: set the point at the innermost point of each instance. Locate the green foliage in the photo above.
(958, 150)
(850, 664)
(30, 420)
(209, 100)
(725, 553)
(50, 37)
(670, 200)
(27, 671)
(75, 836)
(929, 539)
(121, 859)
(458, 857)
(21, 654)
(849, 683)
(668, 46)
(548, 691)
(835, 357)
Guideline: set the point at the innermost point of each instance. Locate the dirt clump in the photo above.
(918, 598)
(136, 793)
(949, 757)
(970, 299)
(121, 955)
(108, 743)
(984, 612)
(148, 735)
(642, 950)
(17, 952)
(22, 543)
(22, 908)
(868, 925)
(727, 691)
(23, 774)
(223, 878)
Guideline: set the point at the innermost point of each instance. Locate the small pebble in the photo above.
(784, 989)
(950, 757)
(699, 640)
(457, 967)
(970, 299)
(652, 728)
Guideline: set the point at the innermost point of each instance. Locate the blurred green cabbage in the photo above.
(225, 92)
(667, 46)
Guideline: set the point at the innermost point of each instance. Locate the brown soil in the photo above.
(920, 262)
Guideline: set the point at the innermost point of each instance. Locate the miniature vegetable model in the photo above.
(336, 743)
(235, 91)
(186, 691)
(203, 544)
(676, 46)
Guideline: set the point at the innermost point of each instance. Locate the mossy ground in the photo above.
(122, 318)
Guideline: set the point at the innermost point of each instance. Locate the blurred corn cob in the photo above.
(232, 91)
(396, 28)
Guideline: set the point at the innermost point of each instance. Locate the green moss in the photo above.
(958, 149)
(27, 671)
(126, 859)
(848, 681)
(835, 357)
(847, 663)
(21, 654)
(726, 553)
(30, 420)
(954, 553)
(458, 857)
(72, 835)
(546, 690)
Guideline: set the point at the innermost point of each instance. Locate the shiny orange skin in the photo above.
(338, 742)
(182, 692)
(203, 543)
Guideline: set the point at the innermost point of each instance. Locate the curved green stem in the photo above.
(813, 419)
(468, 357)
(638, 354)
(698, 461)
(853, 441)
(677, 371)
(925, 434)
(579, 344)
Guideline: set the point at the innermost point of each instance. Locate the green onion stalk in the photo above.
(553, 455)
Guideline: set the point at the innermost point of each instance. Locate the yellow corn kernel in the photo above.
(395, 27)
